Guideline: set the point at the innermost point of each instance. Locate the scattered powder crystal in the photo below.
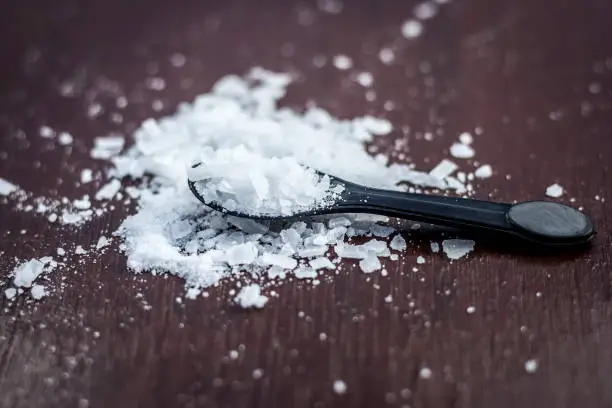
(46, 132)
(26, 273)
(250, 297)
(102, 242)
(60, 251)
(369, 264)
(10, 293)
(420, 260)
(412, 28)
(257, 373)
(531, 366)
(443, 169)
(343, 62)
(321, 263)
(554, 190)
(305, 273)
(389, 299)
(282, 261)
(466, 138)
(339, 387)
(435, 247)
(107, 147)
(86, 176)
(79, 250)
(386, 55)
(483, 172)
(398, 243)
(425, 10)
(470, 309)
(64, 138)
(233, 354)
(7, 188)
(178, 60)
(156, 84)
(38, 292)
(457, 248)
(425, 373)
(461, 151)
(365, 79)
(109, 190)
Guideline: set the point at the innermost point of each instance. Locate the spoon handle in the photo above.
(543, 222)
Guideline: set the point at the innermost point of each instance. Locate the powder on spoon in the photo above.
(249, 183)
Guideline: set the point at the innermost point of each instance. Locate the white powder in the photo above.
(412, 29)
(531, 366)
(457, 248)
(420, 260)
(109, 190)
(398, 243)
(10, 293)
(484, 171)
(257, 373)
(250, 297)
(443, 169)
(425, 10)
(86, 176)
(46, 132)
(7, 188)
(26, 273)
(386, 56)
(466, 138)
(365, 79)
(271, 186)
(64, 138)
(107, 147)
(369, 264)
(461, 151)
(38, 292)
(339, 387)
(554, 190)
(102, 242)
(470, 309)
(425, 373)
(321, 263)
(174, 232)
(435, 247)
(343, 62)
(263, 158)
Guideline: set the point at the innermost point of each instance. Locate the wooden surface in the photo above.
(521, 70)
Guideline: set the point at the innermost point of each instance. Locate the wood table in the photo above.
(535, 77)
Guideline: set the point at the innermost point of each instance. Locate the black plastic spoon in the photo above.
(542, 222)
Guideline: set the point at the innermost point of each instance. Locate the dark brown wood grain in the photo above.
(520, 70)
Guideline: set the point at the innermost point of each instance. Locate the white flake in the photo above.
(554, 190)
(340, 387)
(412, 28)
(109, 190)
(443, 169)
(457, 248)
(483, 172)
(343, 62)
(531, 366)
(250, 297)
(398, 243)
(7, 188)
(461, 151)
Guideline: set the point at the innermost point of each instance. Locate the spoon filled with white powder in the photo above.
(244, 183)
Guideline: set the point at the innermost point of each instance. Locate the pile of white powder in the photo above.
(250, 155)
